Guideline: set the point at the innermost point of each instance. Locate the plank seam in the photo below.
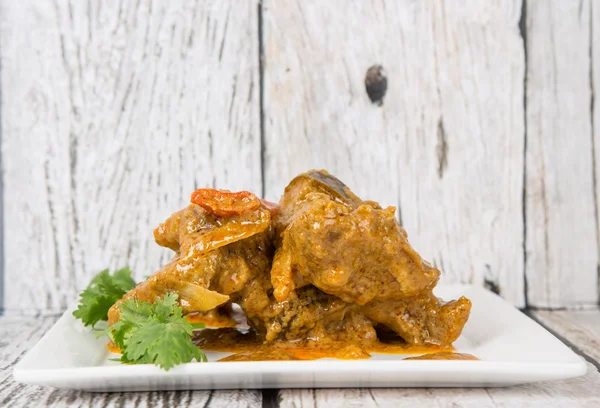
(523, 32)
(592, 106)
(575, 348)
(261, 96)
(270, 398)
(1, 199)
(208, 401)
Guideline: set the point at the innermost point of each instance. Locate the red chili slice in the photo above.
(223, 202)
(270, 206)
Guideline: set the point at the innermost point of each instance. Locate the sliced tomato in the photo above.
(224, 202)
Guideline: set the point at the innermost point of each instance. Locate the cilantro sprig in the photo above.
(103, 291)
(155, 333)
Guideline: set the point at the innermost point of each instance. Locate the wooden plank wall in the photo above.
(112, 114)
(561, 208)
(484, 139)
(446, 144)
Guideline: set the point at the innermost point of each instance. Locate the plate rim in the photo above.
(562, 369)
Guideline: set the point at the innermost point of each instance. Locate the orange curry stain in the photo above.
(445, 355)
(113, 348)
(246, 346)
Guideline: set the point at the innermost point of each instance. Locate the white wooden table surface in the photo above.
(113, 112)
(580, 330)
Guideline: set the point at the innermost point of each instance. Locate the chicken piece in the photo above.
(423, 319)
(313, 319)
(346, 247)
(312, 314)
(292, 319)
(216, 256)
(199, 231)
(193, 296)
(218, 252)
(356, 251)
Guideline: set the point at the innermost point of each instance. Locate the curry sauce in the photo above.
(322, 274)
(247, 346)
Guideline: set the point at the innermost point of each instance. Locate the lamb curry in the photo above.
(322, 274)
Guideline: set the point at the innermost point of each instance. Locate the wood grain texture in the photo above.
(595, 84)
(1, 207)
(581, 328)
(19, 334)
(577, 392)
(446, 145)
(562, 251)
(113, 112)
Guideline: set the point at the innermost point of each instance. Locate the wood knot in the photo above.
(376, 84)
(491, 286)
(441, 149)
(489, 282)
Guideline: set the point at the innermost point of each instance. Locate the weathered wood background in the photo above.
(113, 112)
(578, 329)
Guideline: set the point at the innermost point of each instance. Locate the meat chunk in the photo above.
(313, 319)
(194, 231)
(345, 247)
(324, 270)
(423, 319)
(356, 252)
(216, 257)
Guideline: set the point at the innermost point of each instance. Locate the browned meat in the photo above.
(354, 250)
(329, 274)
(310, 314)
(216, 257)
(423, 319)
(357, 252)
(194, 231)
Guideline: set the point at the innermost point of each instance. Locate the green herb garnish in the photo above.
(155, 333)
(103, 292)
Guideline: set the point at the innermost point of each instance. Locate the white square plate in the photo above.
(513, 350)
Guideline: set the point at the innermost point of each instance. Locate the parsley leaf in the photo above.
(103, 291)
(154, 333)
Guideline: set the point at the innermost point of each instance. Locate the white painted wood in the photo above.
(581, 328)
(582, 391)
(562, 254)
(595, 83)
(447, 143)
(19, 334)
(113, 113)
